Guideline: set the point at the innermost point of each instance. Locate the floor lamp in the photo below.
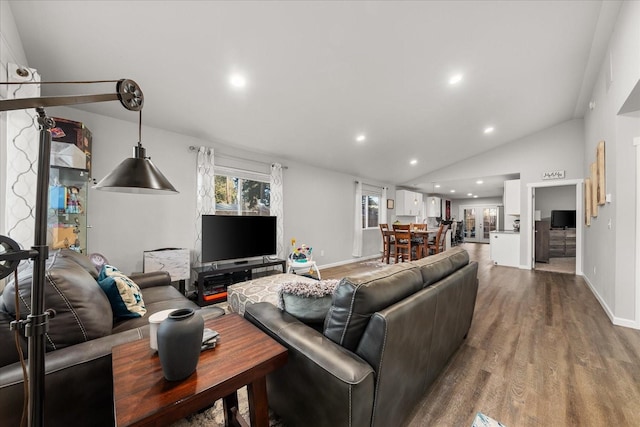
(133, 175)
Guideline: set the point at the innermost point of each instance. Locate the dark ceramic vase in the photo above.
(179, 343)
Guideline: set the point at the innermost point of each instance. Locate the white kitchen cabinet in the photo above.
(408, 203)
(434, 207)
(505, 248)
(512, 197)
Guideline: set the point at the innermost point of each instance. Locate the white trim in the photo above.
(350, 261)
(619, 321)
(579, 219)
(241, 173)
(636, 143)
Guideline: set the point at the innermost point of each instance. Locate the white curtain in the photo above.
(205, 196)
(383, 206)
(383, 213)
(21, 161)
(276, 208)
(357, 222)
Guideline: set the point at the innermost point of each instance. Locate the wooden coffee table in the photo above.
(244, 356)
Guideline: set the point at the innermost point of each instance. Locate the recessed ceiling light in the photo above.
(488, 129)
(238, 81)
(455, 79)
(469, 194)
(452, 191)
(413, 162)
(361, 138)
(479, 181)
(437, 185)
(475, 197)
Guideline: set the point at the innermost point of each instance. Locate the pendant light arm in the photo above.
(127, 92)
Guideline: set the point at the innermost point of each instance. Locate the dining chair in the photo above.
(388, 242)
(439, 243)
(403, 243)
(454, 229)
(419, 243)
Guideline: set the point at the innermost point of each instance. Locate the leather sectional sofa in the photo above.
(78, 381)
(386, 338)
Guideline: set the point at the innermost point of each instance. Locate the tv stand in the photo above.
(213, 279)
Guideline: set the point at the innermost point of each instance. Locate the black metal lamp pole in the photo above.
(37, 323)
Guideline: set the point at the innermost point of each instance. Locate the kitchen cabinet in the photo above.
(408, 203)
(434, 207)
(69, 179)
(505, 248)
(512, 197)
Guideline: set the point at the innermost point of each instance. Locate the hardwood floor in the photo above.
(540, 352)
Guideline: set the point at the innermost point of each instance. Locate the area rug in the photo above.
(214, 416)
(481, 420)
(377, 264)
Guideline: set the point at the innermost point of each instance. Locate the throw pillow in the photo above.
(123, 293)
(309, 302)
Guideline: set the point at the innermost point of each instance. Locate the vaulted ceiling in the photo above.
(319, 74)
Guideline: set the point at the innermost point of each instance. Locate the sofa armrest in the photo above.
(322, 382)
(83, 371)
(153, 278)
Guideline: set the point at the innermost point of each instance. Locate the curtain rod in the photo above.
(371, 185)
(227, 156)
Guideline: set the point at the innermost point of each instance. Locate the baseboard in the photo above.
(619, 321)
(350, 261)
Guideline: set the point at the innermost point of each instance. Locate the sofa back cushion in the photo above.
(82, 260)
(82, 310)
(356, 298)
(436, 267)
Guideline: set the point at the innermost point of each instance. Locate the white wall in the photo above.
(610, 251)
(318, 204)
(560, 147)
(555, 198)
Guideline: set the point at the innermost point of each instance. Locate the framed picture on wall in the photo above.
(601, 197)
(587, 201)
(594, 189)
(390, 204)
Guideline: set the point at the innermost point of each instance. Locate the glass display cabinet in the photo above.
(69, 179)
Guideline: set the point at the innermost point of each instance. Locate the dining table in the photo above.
(414, 235)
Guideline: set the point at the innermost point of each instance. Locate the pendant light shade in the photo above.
(137, 175)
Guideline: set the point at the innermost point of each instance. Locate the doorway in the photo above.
(569, 238)
(555, 229)
(478, 222)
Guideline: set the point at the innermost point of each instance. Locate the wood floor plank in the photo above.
(541, 351)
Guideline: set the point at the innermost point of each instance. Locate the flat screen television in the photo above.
(226, 237)
(563, 219)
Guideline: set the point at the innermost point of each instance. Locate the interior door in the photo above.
(478, 222)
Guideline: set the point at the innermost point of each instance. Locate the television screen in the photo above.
(226, 237)
(563, 219)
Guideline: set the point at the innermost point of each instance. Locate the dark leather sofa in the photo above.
(78, 381)
(386, 338)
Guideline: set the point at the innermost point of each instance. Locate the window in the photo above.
(241, 193)
(370, 208)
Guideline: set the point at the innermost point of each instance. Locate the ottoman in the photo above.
(264, 289)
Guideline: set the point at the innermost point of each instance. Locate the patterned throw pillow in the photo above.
(123, 293)
(309, 302)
